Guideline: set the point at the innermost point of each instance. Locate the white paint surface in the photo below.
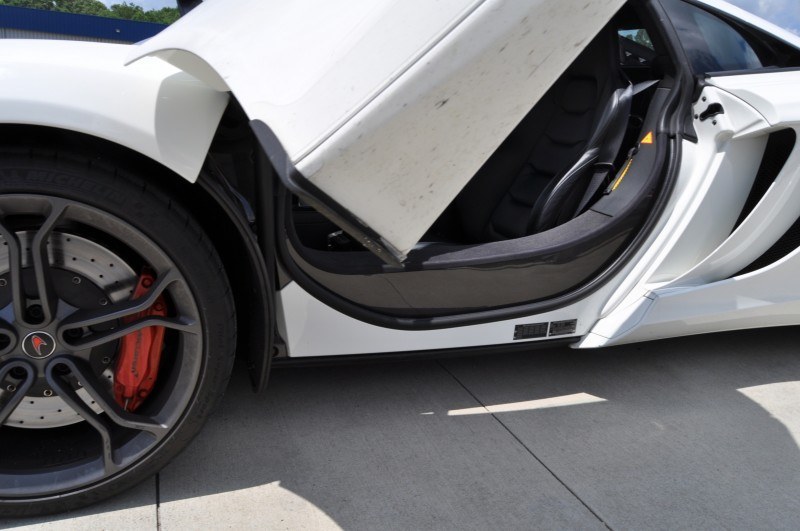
(387, 106)
(150, 107)
(689, 290)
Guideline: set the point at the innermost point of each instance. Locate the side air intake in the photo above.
(779, 147)
(785, 245)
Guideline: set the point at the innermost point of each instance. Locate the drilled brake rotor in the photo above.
(96, 272)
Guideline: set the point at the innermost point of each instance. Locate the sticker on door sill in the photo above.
(563, 328)
(530, 331)
(539, 330)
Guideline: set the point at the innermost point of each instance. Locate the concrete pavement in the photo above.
(697, 432)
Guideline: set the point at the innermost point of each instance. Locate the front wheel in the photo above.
(117, 331)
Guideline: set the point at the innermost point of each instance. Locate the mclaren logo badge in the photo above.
(38, 345)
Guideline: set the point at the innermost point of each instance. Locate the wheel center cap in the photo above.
(38, 345)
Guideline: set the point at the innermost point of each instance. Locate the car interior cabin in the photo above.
(564, 193)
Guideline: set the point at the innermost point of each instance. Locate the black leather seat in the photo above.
(538, 177)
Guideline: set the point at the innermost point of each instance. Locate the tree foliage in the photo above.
(643, 38)
(125, 10)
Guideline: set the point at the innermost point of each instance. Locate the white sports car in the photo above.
(317, 178)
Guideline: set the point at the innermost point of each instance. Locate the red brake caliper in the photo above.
(139, 352)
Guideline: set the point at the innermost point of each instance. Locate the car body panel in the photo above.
(151, 107)
(764, 298)
(709, 296)
(311, 328)
(725, 167)
(414, 123)
(774, 94)
(317, 64)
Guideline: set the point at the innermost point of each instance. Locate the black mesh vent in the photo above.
(779, 147)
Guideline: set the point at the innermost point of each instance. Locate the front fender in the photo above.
(150, 107)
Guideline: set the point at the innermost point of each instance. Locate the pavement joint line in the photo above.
(525, 446)
(158, 502)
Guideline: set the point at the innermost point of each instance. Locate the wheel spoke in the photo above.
(8, 338)
(15, 267)
(98, 338)
(103, 398)
(99, 423)
(41, 261)
(41, 265)
(128, 308)
(13, 393)
(103, 424)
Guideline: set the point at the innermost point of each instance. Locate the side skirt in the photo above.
(383, 357)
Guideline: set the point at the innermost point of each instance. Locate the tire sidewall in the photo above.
(148, 209)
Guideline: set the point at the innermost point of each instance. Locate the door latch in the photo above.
(713, 110)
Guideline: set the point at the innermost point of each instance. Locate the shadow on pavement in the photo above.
(699, 432)
(694, 432)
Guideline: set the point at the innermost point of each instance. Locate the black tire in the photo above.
(114, 212)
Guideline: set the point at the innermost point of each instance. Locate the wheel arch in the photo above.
(218, 209)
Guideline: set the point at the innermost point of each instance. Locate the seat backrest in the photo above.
(572, 189)
(522, 185)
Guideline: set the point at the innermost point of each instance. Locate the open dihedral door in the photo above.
(378, 112)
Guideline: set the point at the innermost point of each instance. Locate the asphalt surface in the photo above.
(697, 432)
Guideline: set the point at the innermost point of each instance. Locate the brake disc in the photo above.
(88, 261)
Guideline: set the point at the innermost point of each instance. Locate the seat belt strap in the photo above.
(611, 148)
(601, 173)
(641, 87)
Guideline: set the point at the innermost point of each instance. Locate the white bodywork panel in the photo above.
(392, 136)
(150, 107)
(685, 285)
(311, 328)
(774, 95)
(678, 283)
